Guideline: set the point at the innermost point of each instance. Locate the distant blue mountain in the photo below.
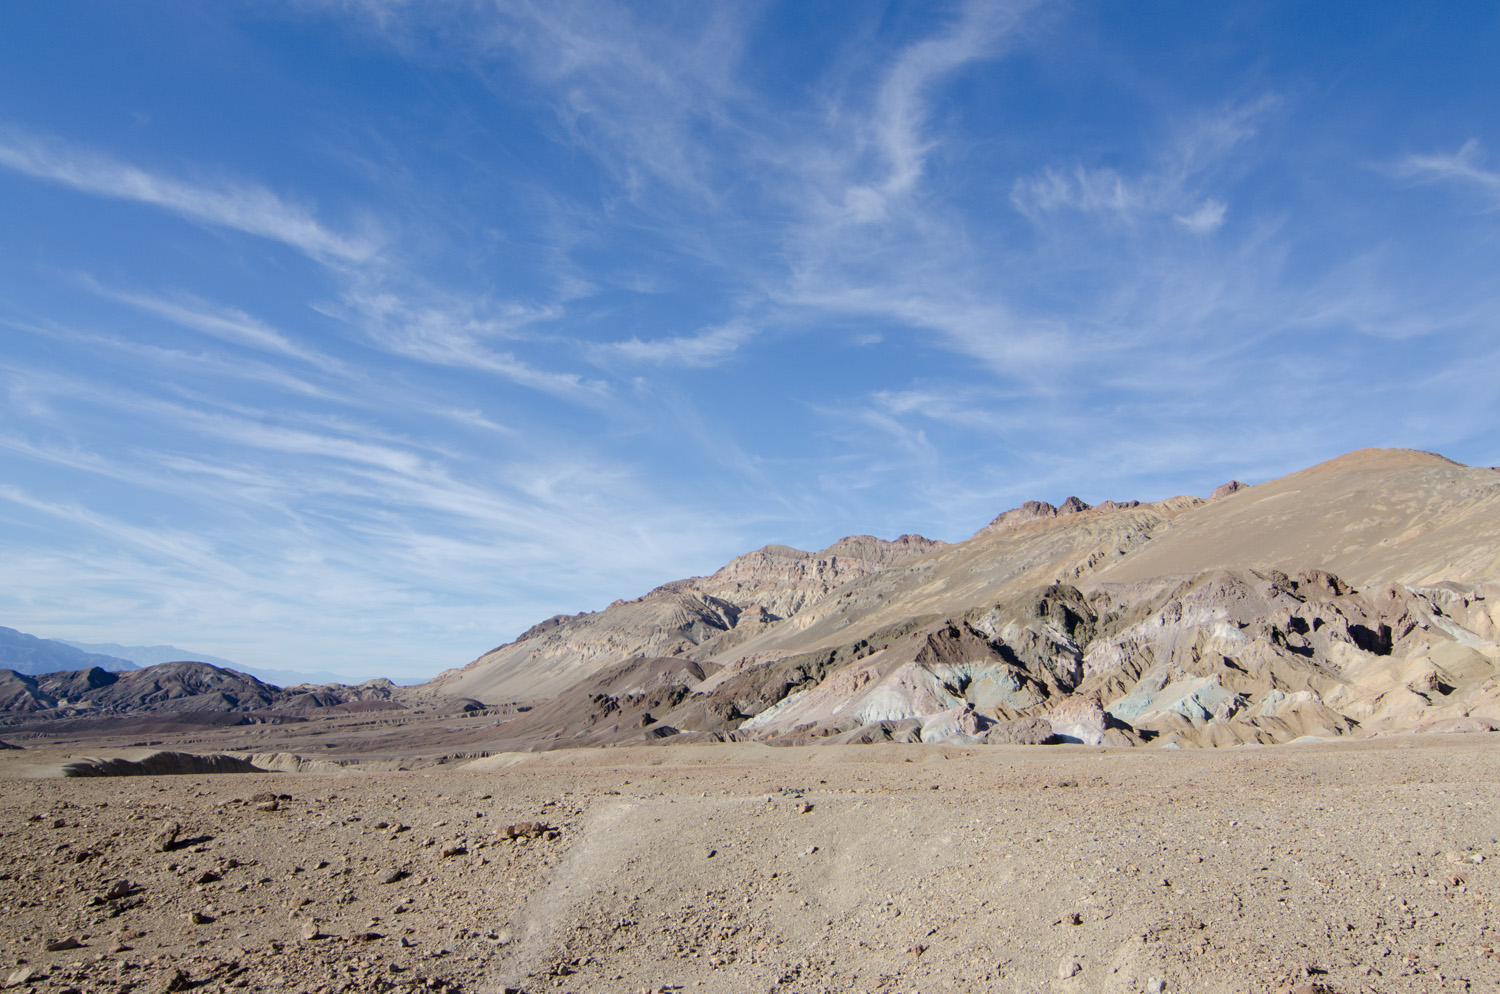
(34, 656)
(150, 655)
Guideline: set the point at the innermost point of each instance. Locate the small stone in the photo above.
(311, 932)
(165, 839)
(523, 830)
(66, 942)
(393, 876)
(169, 982)
(804, 807)
(199, 918)
(272, 805)
(20, 975)
(207, 877)
(1068, 969)
(456, 849)
(119, 889)
(1155, 985)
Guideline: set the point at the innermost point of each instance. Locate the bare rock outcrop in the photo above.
(753, 590)
(1034, 510)
(1078, 718)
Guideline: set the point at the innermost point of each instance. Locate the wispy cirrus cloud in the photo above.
(178, 546)
(1462, 168)
(707, 348)
(447, 330)
(896, 127)
(1207, 218)
(1172, 188)
(1106, 192)
(161, 359)
(642, 86)
(244, 207)
(228, 324)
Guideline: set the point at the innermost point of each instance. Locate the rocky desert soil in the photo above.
(1346, 866)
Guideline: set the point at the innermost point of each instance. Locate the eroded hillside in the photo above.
(1357, 597)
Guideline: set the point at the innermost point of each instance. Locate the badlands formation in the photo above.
(1355, 598)
(1235, 744)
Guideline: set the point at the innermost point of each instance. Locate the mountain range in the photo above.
(150, 655)
(1358, 597)
(25, 653)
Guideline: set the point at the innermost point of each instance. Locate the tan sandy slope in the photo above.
(1373, 516)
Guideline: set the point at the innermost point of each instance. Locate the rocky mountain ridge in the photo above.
(1357, 597)
(756, 589)
(186, 689)
(25, 653)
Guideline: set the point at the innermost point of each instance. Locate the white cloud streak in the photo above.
(452, 332)
(897, 127)
(708, 348)
(242, 207)
(225, 323)
(1462, 168)
(1209, 217)
(1171, 188)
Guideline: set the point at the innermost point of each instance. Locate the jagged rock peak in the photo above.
(879, 550)
(1040, 510)
(1225, 489)
(1034, 510)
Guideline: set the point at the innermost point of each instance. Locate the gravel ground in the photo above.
(1339, 867)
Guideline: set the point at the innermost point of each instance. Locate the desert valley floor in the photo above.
(1339, 866)
(1243, 744)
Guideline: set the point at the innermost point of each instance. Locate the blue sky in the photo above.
(362, 335)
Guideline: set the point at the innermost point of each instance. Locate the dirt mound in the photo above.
(160, 764)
